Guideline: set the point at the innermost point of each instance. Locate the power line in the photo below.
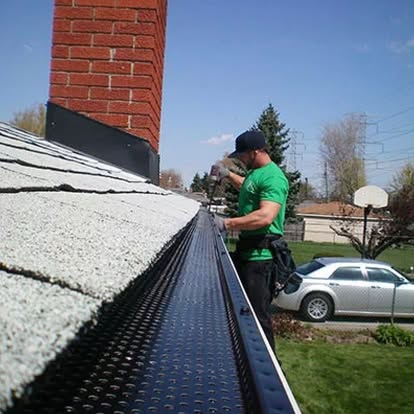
(396, 114)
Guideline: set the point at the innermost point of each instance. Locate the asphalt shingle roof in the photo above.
(74, 232)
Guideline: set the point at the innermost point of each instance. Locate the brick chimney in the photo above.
(107, 63)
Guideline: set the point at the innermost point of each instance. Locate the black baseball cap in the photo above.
(248, 141)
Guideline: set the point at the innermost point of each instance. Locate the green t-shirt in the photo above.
(267, 183)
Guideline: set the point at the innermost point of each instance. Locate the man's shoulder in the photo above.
(271, 170)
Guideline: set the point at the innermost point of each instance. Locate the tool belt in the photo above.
(258, 241)
(284, 272)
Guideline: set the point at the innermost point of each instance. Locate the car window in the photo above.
(381, 275)
(310, 267)
(347, 273)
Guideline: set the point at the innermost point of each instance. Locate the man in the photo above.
(262, 204)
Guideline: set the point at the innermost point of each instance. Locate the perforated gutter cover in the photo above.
(119, 297)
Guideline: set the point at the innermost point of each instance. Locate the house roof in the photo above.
(333, 208)
(74, 233)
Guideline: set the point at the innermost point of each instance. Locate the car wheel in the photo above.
(317, 307)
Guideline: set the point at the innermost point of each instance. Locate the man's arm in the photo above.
(257, 219)
(235, 180)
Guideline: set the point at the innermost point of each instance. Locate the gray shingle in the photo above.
(36, 322)
(66, 251)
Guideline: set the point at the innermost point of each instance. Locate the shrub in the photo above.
(393, 334)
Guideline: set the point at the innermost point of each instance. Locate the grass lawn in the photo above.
(349, 378)
(401, 258)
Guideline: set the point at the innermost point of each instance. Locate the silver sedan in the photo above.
(348, 286)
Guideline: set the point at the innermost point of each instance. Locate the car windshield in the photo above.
(310, 267)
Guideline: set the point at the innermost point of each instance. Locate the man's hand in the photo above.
(219, 222)
(222, 171)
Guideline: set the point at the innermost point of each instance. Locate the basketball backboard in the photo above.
(370, 195)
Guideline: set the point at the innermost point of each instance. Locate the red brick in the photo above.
(60, 51)
(58, 78)
(131, 81)
(113, 40)
(73, 12)
(144, 69)
(110, 94)
(142, 55)
(103, 53)
(96, 3)
(115, 14)
(83, 105)
(128, 108)
(70, 65)
(61, 25)
(147, 15)
(115, 120)
(59, 101)
(63, 2)
(141, 95)
(72, 39)
(144, 4)
(68, 91)
(89, 79)
(140, 121)
(135, 28)
(112, 67)
(146, 42)
(92, 26)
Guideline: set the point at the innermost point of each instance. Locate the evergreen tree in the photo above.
(277, 137)
(205, 183)
(276, 134)
(196, 186)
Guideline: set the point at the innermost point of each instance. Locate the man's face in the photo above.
(248, 159)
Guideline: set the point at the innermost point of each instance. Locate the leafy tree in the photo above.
(405, 177)
(395, 226)
(342, 149)
(196, 185)
(277, 137)
(170, 178)
(32, 119)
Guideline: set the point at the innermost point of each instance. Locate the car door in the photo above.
(350, 288)
(382, 284)
(381, 290)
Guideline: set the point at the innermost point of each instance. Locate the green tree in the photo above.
(206, 183)
(32, 119)
(405, 177)
(196, 185)
(277, 137)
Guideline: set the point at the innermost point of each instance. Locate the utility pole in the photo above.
(325, 176)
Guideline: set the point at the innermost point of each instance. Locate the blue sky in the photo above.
(315, 61)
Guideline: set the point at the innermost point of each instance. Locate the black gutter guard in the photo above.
(183, 339)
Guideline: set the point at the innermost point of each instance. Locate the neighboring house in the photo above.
(319, 217)
(74, 233)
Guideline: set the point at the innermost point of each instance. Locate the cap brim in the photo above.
(235, 154)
